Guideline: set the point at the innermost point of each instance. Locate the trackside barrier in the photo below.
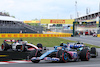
(34, 35)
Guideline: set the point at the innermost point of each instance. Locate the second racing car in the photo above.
(79, 46)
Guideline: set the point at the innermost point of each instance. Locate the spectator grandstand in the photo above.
(12, 25)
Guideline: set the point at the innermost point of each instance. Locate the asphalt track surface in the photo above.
(93, 62)
(85, 39)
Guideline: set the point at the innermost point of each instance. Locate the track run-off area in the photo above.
(85, 39)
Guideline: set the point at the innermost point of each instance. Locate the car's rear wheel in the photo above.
(5, 47)
(85, 55)
(93, 51)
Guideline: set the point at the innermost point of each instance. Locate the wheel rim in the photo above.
(65, 56)
(21, 48)
(87, 55)
(2, 46)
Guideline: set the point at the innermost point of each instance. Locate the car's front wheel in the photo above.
(36, 61)
(63, 56)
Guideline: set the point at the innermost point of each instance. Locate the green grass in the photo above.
(46, 41)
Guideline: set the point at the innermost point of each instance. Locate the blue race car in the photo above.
(62, 53)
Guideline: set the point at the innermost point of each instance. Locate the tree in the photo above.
(13, 16)
(6, 14)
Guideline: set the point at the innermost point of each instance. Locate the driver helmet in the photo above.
(21, 39)
(61, 43)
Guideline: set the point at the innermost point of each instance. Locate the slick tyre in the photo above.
(36, 61)
(32, 54)
(85, 55)
(63, 56)
(5, 47)
(93, 51)
(37, 54)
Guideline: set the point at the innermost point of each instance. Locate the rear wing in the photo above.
(76, 46)
(10, 40)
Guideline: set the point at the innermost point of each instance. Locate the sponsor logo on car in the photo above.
(51, 59)
(3, 55)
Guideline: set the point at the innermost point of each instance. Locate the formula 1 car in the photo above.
(19, 45)
(20, 50)
(94, 35)
(62, 54)
(79, 46)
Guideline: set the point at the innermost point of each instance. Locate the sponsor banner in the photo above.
(57, 21)
(35, 35)
(98, 35)
(31, 21)
(97, 22)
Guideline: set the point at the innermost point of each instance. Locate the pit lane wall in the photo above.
(3, 35)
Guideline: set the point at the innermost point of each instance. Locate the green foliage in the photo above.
(33, 24)
(13, 16)
(7, 13)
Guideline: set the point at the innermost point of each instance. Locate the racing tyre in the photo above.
(37, 54)
(62, 55)
(36, 61)
(93, 51)
(5, 47)
(85, 55)
(32, 54)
